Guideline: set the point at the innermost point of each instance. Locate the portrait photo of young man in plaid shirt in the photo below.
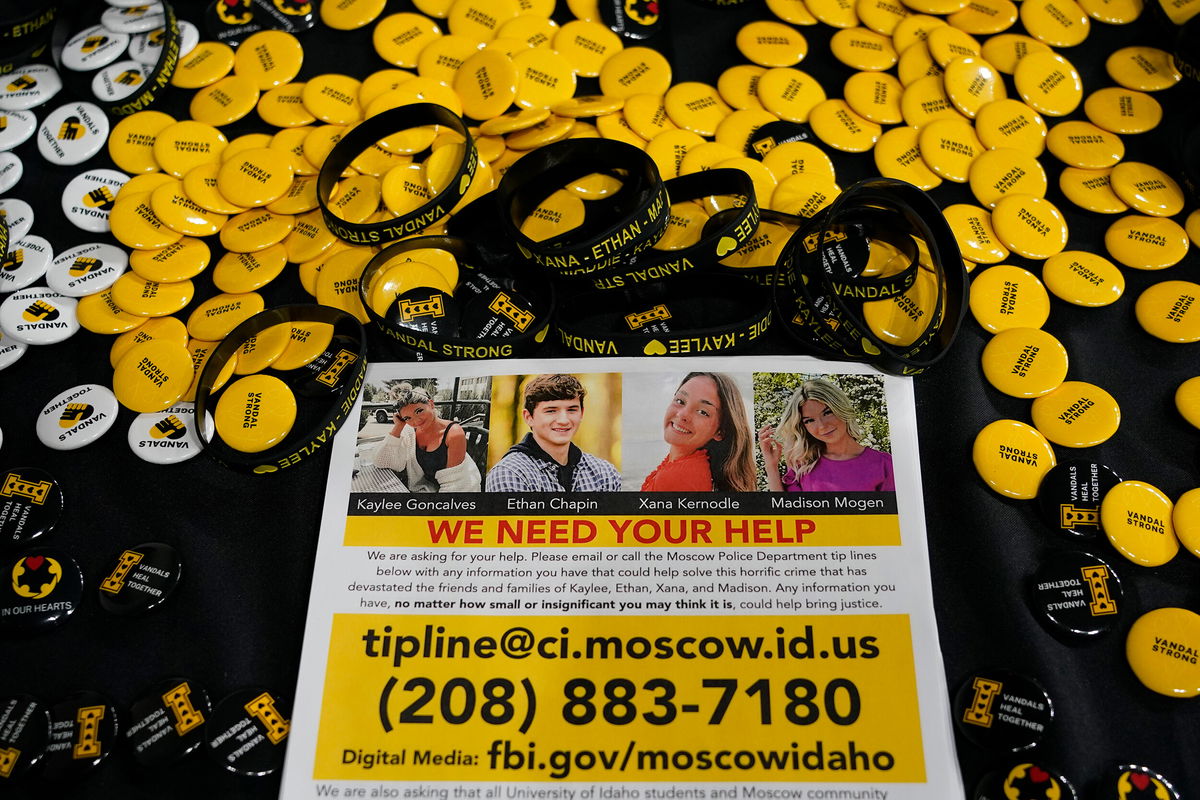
(546, 460)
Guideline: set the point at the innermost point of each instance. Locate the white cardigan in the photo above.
(400, 454)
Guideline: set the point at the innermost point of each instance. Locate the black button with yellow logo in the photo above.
(1070, 494)
(31, 503)
(167, 721)
(24, 732)
(1136, 782)
(83, 732)
(1077, 595)
(39, 589)
(140, 578)
(1002, 711)
(1026, 780)
(248, 731)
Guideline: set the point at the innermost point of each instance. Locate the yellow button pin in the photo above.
(283, 107)
(1004, 50)
(1083, 279)
(168, 328)
(738, 85)
(1123, 110)
(1169, 311)
(1091, 189)
(180, 261)
(333, 98)
(239, 273)
(1011, 123)
(1012, 458)
(771, 44)
(1187, 401)
(400, 38)
(1147, 189)
(837, 125)
(1114, 12)
(1030, 226)
(898, 156)
(791, 94)
(205, 65)
(972, 227)
(153, 375)
(255, 177)
(262, 349)
(949, 146)
(213, 319)
(635, 70)
(1148, 243)
(349, 15)
(1161, 650)
(1076, 414)
(693, 106)
(1186, 519)
(1048, 83)
(1058, 23)
(834, 13)
(947, 43)
(99, 313)
(586, 46)
(864, 49)
(134, 224)
(255, 230)
(1146, 69)
(337, 283)
(1136, 518)
(306, 341)
(972, 83)
(131, 142)
(269, 59)
(254, 413)
(144, 298)
(925, 100)
(875, 96)
(225, 102)
(996, 174)
(1006, 296)
(178, 212)
(881, 16)
(912, 29)
(183, 145)
(985, 17)
(1024, 362)
(200, 184)
(915, 63)
(1081, 144)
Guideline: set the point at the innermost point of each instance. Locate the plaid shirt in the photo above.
(520, 472)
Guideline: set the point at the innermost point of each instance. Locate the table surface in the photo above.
(248, 543)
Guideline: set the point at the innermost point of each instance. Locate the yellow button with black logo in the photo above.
(802, 195)
(249, 141)
(200, 184)
(901, 320)
(1011, 123)
(864, 49)
(693, 106)
(1186, 519)
(357, 198)
(875, 96)
(134, 224)
(482, 19)
(99, 313)
(1005, 296)
(684, 226)
(385, 80)
(308, 239)
(948, 147)
(337, 283)
(1187, 401)
(178, 212)
(269, 59)
(1114, 12)
(255, 177)
(793, 11)
(586, 106)
(795, 158)
(737, 129)
(1081, 144)
(395, 279)
(131, 143)
(647, 116)
(916, 63)
(153, 375)
(912, 29)
(1048, 83)
(400, 38)
(1091, 189)
(1024, 362)
(789, 93)
(996, 174)
(1004, 50)
(934, 7)
(200, 352)
(925, 100)
(255, 413)
(586, 46)
(1123, 110)
(972, 83)
(552, 130)
(283, 107)
(985, 17)
(836, 124)
(897, 155)
(947, 43)
(1147, 189)
(169, 328)
(183, 145)
(1148, 243)
(771, 44)
(1076, 414)
(225, 102)
(212, 320)
(262, 349)
(533, 30)
(255, 230)
(1192, 226)
(144, 298)
(512, 122)
(1136, 518)
(972, 227)
(1012, 458)
(333, 98)
(1170, 311)
(404, 189)
(835, 13)
(487, 84)
(1161, 649)
(881, 16)
(306, 341)
(185, 259)
(238, 273)
(635, 70)
(205, 65)
(1146, 69)
(738, 85)
(1058, 23)
(1083, 279)
(350, 15)
(1030, 226)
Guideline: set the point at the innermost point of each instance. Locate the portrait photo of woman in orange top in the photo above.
(708, 437)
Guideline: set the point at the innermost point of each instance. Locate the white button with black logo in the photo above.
(78, 416)
(89, 198)
(134, 19)
(10, 350)
(27, 260)
(11, 170)
(167, 437)
(15, 128)
(86, 269)
(73, 133)
(93, 48)
(145, 48)
(29, 86)
(18, 216)
(39, 316)
(118, 81)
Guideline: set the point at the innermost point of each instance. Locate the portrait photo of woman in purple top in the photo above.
(817, 445)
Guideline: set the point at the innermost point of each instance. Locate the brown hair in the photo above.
(552, 387)
(731, 458)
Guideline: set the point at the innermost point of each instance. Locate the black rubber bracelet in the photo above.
(730, 231)
(345, 373)
(24, 36)
(634, 217)
(364, 135)
(517, 313)
(707, 315)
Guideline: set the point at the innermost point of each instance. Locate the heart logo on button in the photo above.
(35, 562)
(1140, 781)
(1038, 775)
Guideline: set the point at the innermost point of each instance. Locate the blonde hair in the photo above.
(800, 450)
(406, 395)
(732, 458)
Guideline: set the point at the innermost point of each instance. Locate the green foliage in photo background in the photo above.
(772, 390)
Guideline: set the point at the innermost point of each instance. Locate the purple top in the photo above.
(869, 471)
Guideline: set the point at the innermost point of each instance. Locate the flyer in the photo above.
(644, 578)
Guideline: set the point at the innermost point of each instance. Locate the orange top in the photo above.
(688, 474)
